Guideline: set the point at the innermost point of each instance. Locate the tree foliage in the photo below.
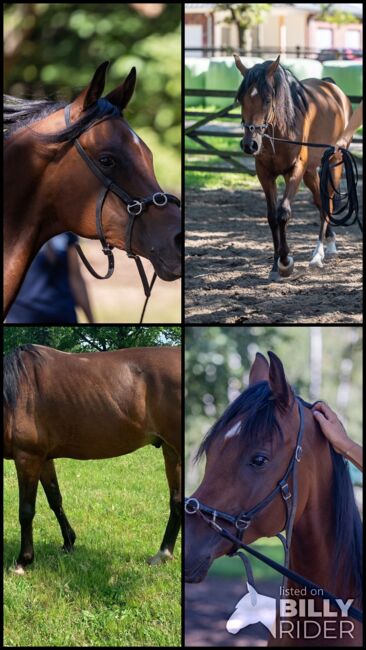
(244, 16)
(53, 49)
(91, 338)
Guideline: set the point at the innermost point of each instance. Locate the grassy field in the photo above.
(105, 593)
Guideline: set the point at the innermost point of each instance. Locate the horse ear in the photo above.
(121, 95)
(272, 68)
(277, 381)
(239, 64)
(93, 91)
(259, 370)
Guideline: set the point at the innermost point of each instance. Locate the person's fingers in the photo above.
(320, 417)
(322, 407)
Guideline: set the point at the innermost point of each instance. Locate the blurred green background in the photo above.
(52, 50)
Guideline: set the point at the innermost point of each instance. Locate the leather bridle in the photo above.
(135, 207)
(261, 128)
(242, 521)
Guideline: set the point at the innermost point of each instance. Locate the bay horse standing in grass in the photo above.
(89, 406)
(275, 103)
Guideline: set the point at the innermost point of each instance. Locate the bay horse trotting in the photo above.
(125, 399)
(274, 104)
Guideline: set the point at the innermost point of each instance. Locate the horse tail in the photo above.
(15, 372)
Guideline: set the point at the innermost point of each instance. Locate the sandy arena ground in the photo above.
(229, 256)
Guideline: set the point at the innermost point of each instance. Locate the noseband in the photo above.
(242, 521)
(135, 207)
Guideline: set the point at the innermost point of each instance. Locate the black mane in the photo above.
(15, 372)
(20, 113)
(258, 411)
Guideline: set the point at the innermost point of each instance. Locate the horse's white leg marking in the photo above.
(318, 255)
(160, 557)
(331, 248)
(18, 570)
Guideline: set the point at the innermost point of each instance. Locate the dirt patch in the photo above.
(229, 255)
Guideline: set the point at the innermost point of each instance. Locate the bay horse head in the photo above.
(268, 96)
(257, 99)
(247, 451)
(126, 162)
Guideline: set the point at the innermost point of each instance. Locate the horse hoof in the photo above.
(316, 263)
(331, 248)
(274, 276)
(160, 557)
(67, 549)
(286, 270)
(18, 570)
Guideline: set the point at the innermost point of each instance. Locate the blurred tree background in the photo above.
(52, 50)
(91, 338)
(320, 363)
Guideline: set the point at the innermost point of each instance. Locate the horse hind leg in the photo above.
(326, 236)
(54, 498)
(173, 473)
(311, 180)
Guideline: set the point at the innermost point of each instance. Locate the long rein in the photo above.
(353, 612)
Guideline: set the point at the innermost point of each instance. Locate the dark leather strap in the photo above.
(135, 207)
(89, 266)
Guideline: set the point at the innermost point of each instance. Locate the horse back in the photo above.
(94, 404)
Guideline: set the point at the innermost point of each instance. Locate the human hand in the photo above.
(331, 427)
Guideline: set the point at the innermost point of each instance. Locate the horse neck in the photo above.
(28, 223)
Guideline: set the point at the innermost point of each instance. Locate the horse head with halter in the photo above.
(257, 97)
(269, 400)
(122, 165)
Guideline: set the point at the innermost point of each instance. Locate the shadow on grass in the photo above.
(101, 574)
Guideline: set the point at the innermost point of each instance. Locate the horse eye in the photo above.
(106, 161)
(259, 460)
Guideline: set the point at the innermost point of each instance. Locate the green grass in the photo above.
(105, 593)
(227, 181)
(226, 567)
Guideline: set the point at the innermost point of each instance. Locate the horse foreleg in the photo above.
(173, 472)
(54, 498)
(293, 180)
(268, 183)
(28, 469)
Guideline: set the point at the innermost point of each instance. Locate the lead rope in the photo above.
(147, 287)
(326, 180)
